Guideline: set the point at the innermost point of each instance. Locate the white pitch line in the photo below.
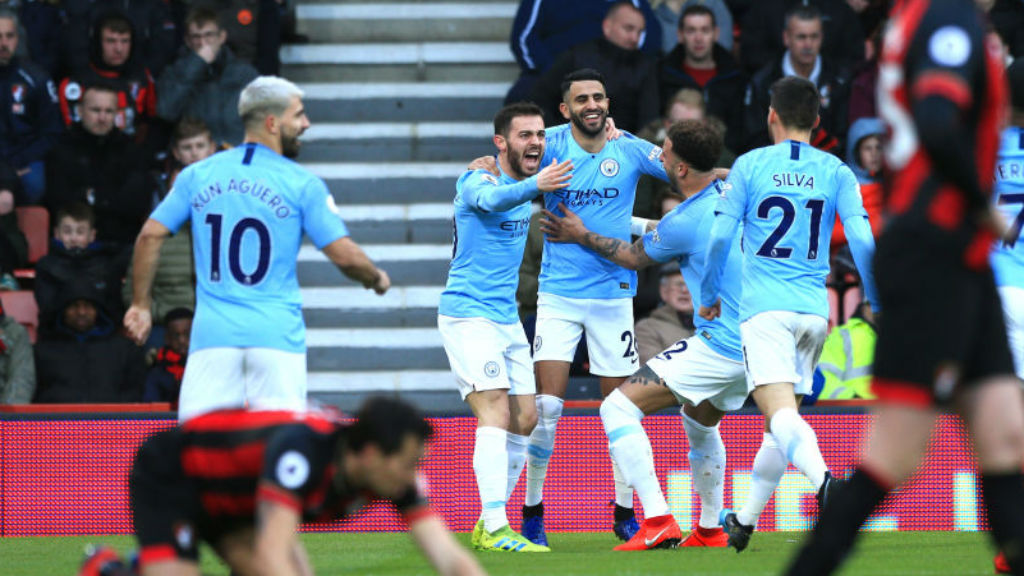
(404, 381)
(404, 11)
(403, 130)
(348, 298)
(403, 90)
(399, 53)
(387, 252)
(391, 338)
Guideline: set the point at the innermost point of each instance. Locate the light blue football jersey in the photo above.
(786, 196)
(601, 193)
(492, 218)
(1008, 261)
(249, 207)
(683, 235)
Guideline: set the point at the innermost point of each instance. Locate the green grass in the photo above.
(903, 553)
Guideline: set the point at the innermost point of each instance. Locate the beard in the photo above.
(516, 162)
(578, 122)
(290, 146)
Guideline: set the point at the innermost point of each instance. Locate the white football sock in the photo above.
(769, 466)
(623, 491)
(542, 443)
(516, 446)
(799, 443)
(631, 450)
(707, 465)
(490, 461)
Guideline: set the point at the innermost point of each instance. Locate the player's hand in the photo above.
(138, 321)
(207, 52)
(382, 284)
(711, 312)
(487, 163)
(555, 176)
(568, 228)
(610, 131)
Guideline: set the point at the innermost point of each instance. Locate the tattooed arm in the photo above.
(570, 228)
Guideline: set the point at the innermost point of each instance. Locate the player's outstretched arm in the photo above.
(570, 228)
(276, 542)
(139, 319)
(489, 196)
(354, 263)
(441, 549)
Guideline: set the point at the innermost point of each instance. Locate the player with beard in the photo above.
(249, 208)
(579, 290)
(478, 319)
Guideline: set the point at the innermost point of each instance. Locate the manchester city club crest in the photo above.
(492, 369)
(609, 167)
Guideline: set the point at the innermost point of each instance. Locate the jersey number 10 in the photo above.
(215, 221)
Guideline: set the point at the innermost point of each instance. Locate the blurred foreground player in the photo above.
(478, 320)
(242, 481)
(942, 92)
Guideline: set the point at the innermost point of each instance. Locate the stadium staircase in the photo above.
(401, 96)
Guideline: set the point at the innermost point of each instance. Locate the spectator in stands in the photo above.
(864, 81)
(864, 156)
(847, 358)
(163, 381)
(254, 30)
(1007, 17)
(803, 39)
(28, 113)
(670, 322)
(17, 366)
(630, 77)
(41, 26)
(98, 164)
(670, 11)
(84, 358)
(13, 244)
(113, 62)
(698, 62)
(154, 43)
(76, 256)
(764, 26)
(545, 29)
(206, 79)
(174, 285)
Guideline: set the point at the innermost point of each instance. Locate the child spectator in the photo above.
(17, 367)
(864, 157)
(76, 255)
(163, 381)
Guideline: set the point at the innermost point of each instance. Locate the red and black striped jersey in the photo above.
(236, 458)
(940, 48)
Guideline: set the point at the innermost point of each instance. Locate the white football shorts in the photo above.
(782, 346)
(1013, 312)
(266, 378)
(486, 355)
(694, 372)
(611, 342)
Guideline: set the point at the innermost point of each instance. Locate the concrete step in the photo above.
(332, 349)
(397, 142)
(397, 381)
(406, 264)
(403, 102)
(406, 22)
(400, 62)
(390, 182)
(398, 224)
(356, 307)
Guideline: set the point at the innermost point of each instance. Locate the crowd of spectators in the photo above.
(102, 103)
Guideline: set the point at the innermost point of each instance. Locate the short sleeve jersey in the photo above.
(1008, 260)
(787, 197)
(249, 207)
(601, 193)
(488, 248)
(682, 235)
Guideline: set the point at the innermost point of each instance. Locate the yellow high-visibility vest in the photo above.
(846, 361)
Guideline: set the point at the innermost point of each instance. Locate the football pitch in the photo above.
(577, 554)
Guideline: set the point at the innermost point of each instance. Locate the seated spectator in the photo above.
(163, 381)
(17, 366)
(113, 62)
(545, 29)
(698, 62)
(28, 113)
(847, 358)
(13, 244)
(864, 155)
(765, 22)
(670, 11)
(173, 285)
(206, 79)
(155, 41)
(630, 77)
(803, 58)
(76, 256)
(85, 358)
(254, 31)
(864, 81)
(670, 322)
(98, 164)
